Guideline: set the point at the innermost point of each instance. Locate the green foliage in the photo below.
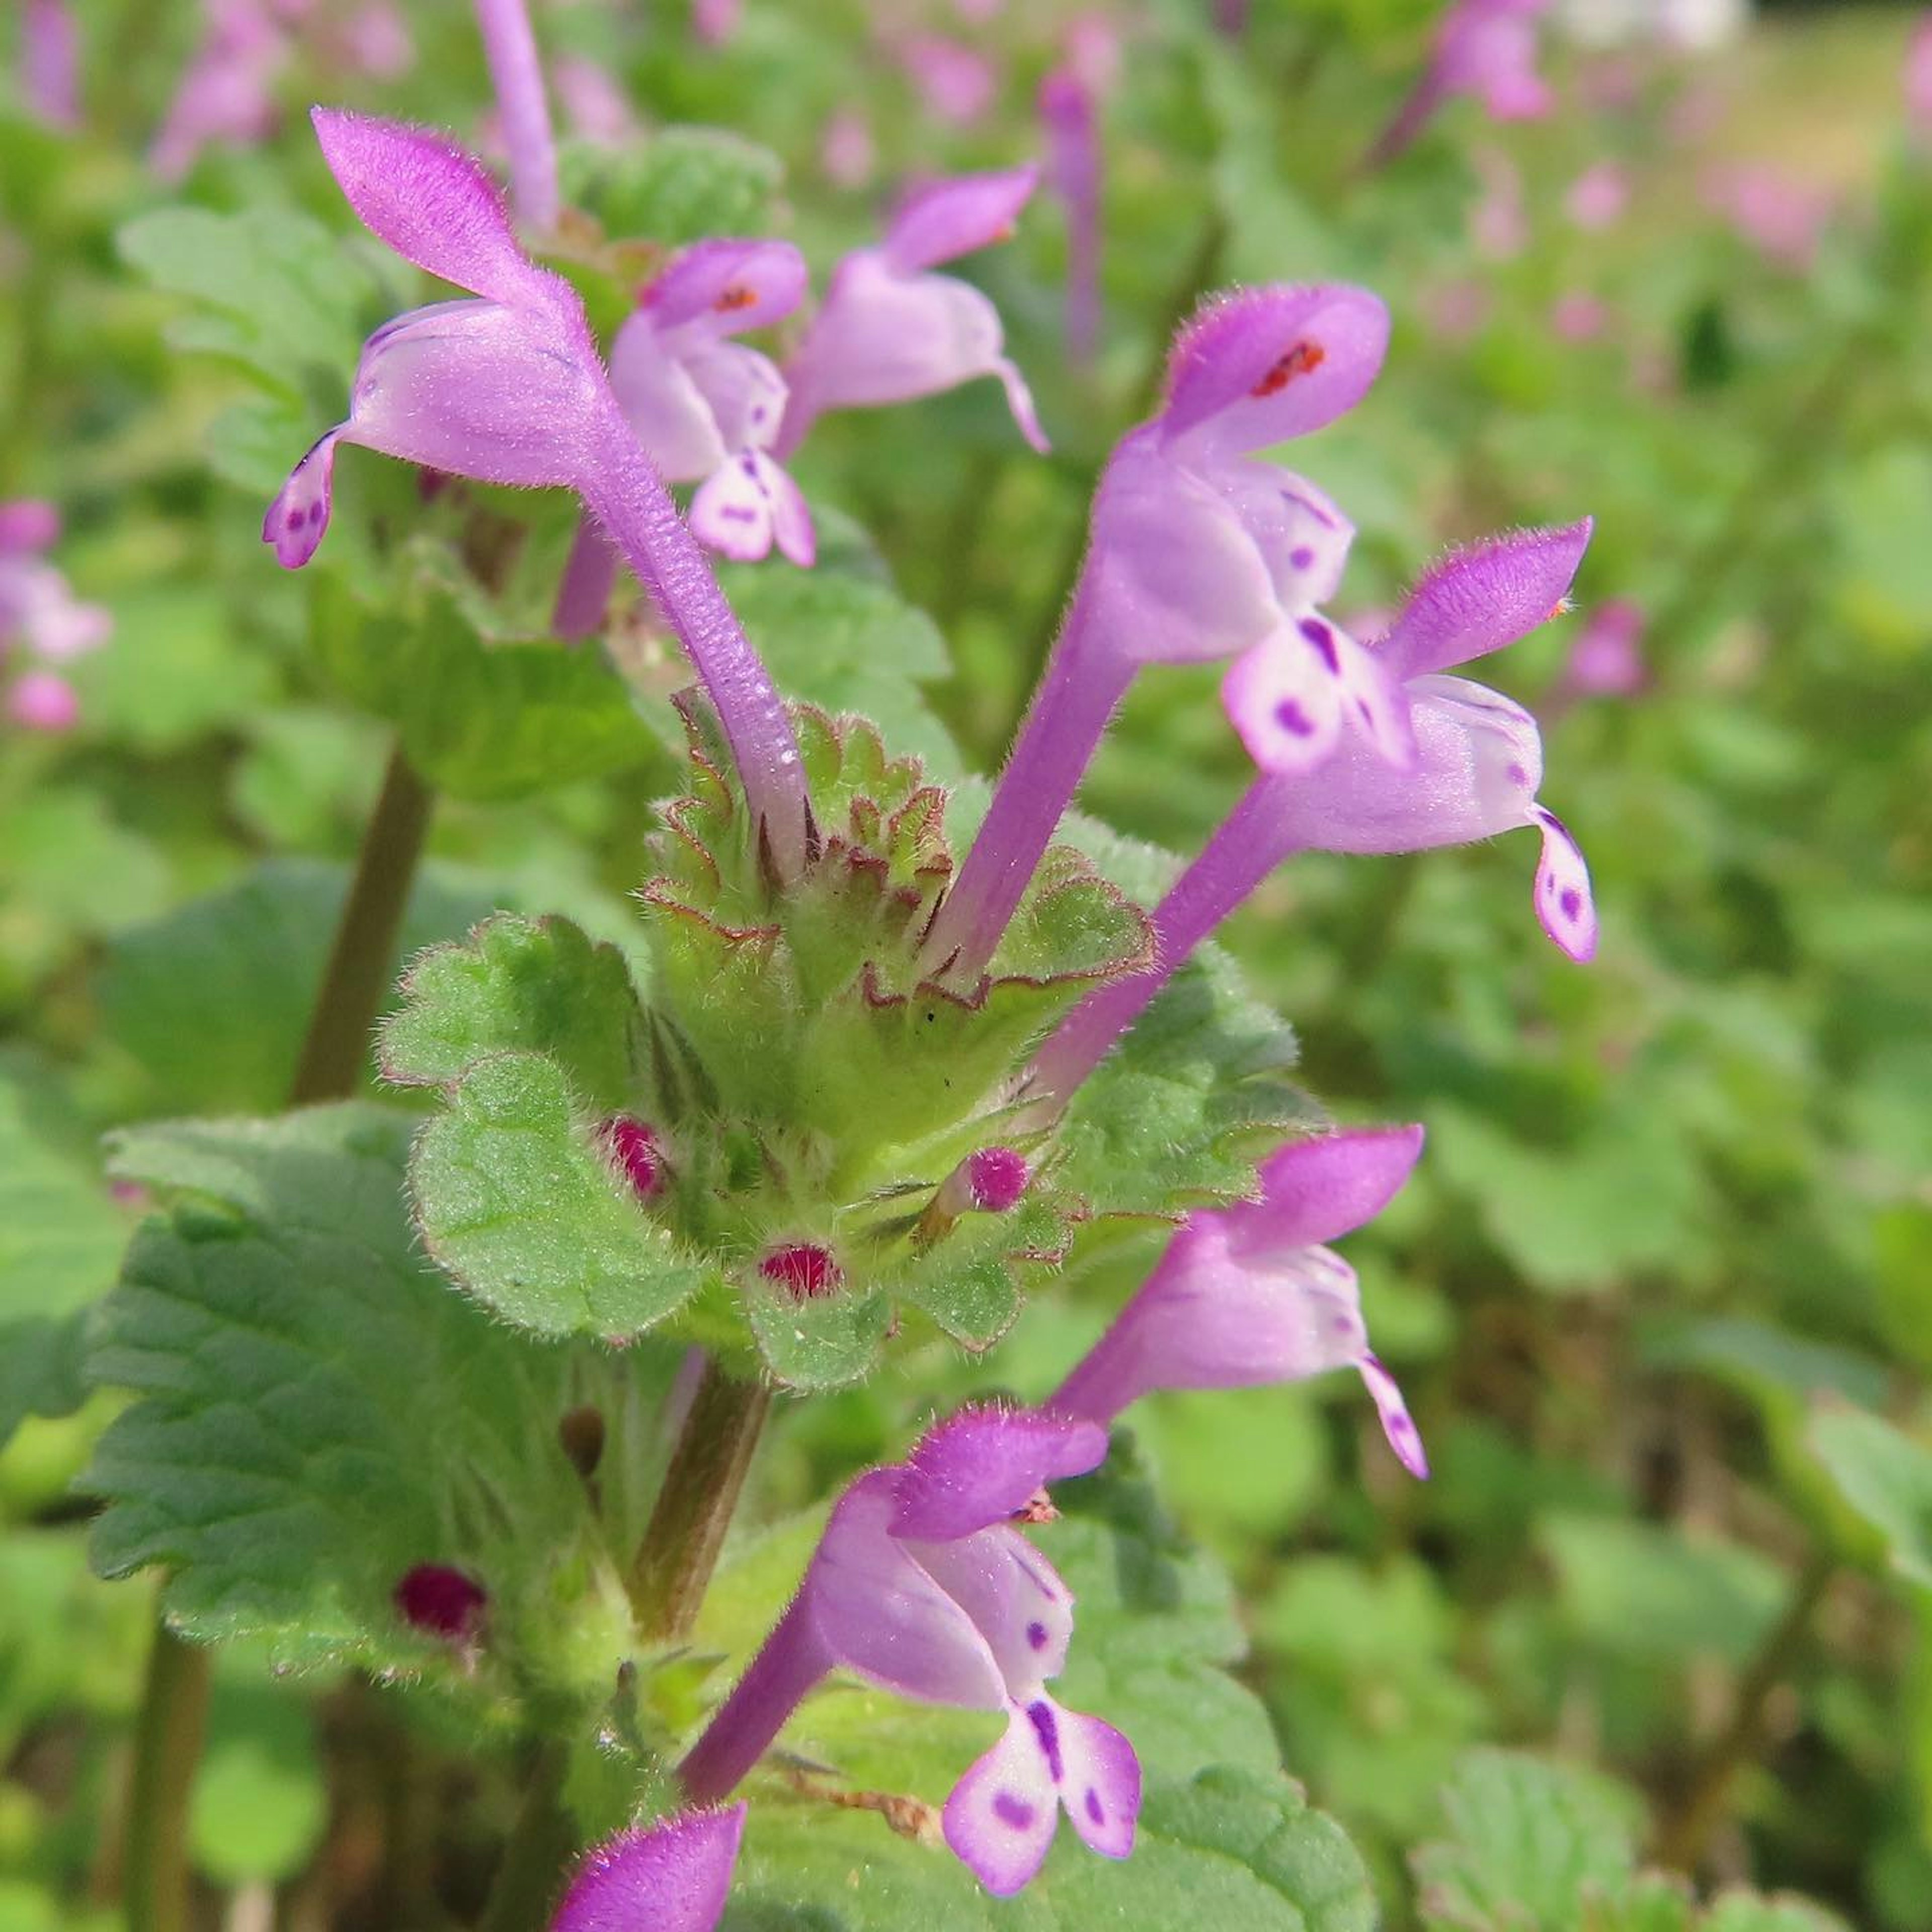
(1886, 1476)
(682, 184)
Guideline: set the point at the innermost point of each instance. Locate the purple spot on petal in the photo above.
(1041, 1715)
(1516, 775)
(1290, 716)
(293, 519)
(1302, 557)
(1344, 1325)
(1094, 1810)
(1571, 902)
(1011, 1810)
(1037, 1635)
(738, 515)
(749, 464)
(1319, 634)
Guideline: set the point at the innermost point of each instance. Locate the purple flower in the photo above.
(672, 1877)
(1197, 551)
(704, 407)
(1069, 113)
(1479, 761)
(509, 388)
(1485, 49)
(50, 63)
(1250, 1295)
(516, 72)
(890, 331)
(227, 93)
(923, 1585)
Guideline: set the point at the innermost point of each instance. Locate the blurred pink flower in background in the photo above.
(40, 612)
(1605, 660)
(846, 151)
(714, 21)
(593, 102)
(1918, 78)
(50, 63)
(1598, 197)
(1578, 317)
(1782, 216)
(956, 84)
(1499, 224)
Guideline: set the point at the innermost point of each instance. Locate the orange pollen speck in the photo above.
(735, 298)
(1038, 1508)
(1300, 360)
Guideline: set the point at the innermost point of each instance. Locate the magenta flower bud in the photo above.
(516, 72)
(441, 1602)
(1251, 1293)
(924, 1586)
(1478, 762)
(509, 388)
(635, 1150)
(995, 1178)
(671, 1877)
(1197, 552)
(805, 1271)
(890, 331)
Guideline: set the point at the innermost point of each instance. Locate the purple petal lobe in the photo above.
(1000, 1818)
(1103, 1788)
(1259, 368)
(1317, 1190)
(1397, 1424)
(724, 286)
(1477, 600)
(954, 217)
(294, 523)
(981, 1466)
(671, 1877)
(1564, 902)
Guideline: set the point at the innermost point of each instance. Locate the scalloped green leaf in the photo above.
(316, 1411)
(519, 984)
(819, 1342)
(681, 185)
(1886, 1478)
(518, 1201)
(969, 1282)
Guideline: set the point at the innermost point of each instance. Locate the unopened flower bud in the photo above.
(634, 1148)
(442, 1602)
(805, 1271)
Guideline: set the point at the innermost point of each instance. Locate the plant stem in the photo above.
(701, 1491)
(168, 1734)
(337, 1046)
(174, 1698)
(539, 1845)
(1681, 1844)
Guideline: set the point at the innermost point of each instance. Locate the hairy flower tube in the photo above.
(923, 1585)
(1479, 763)
(1197, 551)
(1485, 49)
(1251, 1293)
(890, 331)
(670, 1876)
(509, 388)
(707, 409)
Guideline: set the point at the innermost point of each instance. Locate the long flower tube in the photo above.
(1479, 763)
(509, 389)
(923, 1585)
(1197, 551)
(1252, 1294)
(516, 74)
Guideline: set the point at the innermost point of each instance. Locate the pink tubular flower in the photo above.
(890, 331)
(1070, 114)
(509, 388)
(1479, 761)
(516, 74)
(1197, 552)
(50, 63)
(923, 1585)
(704, 407)
(1486, 48)
(227, 94)
(1250, 1295)
(671, 1877)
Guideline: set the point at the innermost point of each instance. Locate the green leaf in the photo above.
(483, 715)
(1886, 1476)
(316, 1413)
(518, 985)
(212, 1000)
(681, 185)
(1534, 1847)
(60, 1239)
(818, 1343)
(1227, 1849)
(274, 290)
(260, 1802)
(517, 1201)
(968, 1281)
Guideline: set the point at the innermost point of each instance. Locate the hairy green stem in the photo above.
(174, 1699)
(539, 1845)
(1682, 1844)
(694, 1506)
